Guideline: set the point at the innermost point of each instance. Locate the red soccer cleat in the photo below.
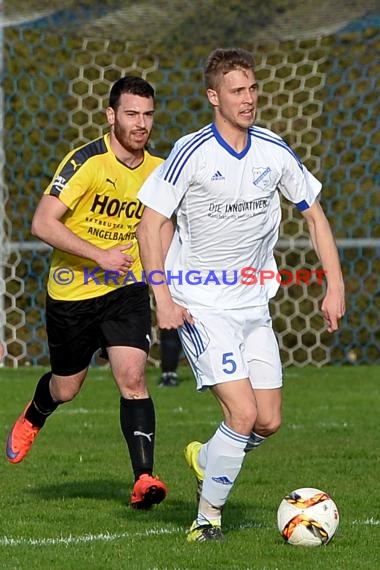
(147, 491)
(20, 438)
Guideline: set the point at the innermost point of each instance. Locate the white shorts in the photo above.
(222, 346)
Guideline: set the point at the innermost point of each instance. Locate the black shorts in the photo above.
(76, 329)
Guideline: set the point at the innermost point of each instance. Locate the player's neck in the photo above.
(131, 159)
(129, 156)
(235, 137)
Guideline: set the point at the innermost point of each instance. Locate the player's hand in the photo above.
(170, 315)
(116, 258)
(333, 309)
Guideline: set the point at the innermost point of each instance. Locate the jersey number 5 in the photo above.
(229, 363)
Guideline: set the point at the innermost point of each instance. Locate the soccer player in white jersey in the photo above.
(224, 183)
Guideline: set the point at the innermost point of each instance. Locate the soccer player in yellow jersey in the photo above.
(97, 296)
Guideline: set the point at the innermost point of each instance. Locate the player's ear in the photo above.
(110, 114)
(213, 97)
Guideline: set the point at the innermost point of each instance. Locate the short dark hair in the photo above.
(222, 61)
(129, 84)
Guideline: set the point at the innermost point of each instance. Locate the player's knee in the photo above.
(64, 394)
(132, 385)
(243, 420)
(65, 389)
(268, 426)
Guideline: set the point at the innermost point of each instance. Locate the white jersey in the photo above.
(228, 214)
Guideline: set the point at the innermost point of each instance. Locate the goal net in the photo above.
(318, 89)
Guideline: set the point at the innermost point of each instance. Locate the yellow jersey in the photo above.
(100, 194)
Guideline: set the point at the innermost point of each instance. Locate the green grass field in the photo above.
(65, 506)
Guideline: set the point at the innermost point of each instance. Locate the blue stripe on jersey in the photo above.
(179, 160)
(303, 205)
(228, 148)
(233, 434)
(196, 338)
(258, 133)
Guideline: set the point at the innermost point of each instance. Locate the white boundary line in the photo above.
(368, 522)
(106, 536)
(111, 537)
(86, 538)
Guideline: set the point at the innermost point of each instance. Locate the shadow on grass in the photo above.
(100, 489)
(118, 491)
(173, 510)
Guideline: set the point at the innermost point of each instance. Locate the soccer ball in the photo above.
(307, 517)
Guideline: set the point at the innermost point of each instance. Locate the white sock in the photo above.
(208, 514)
(254, 441)
(225, 455)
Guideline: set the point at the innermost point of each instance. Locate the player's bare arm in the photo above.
(333, 305)
(153, 245)
(47, 226)
(167, 231)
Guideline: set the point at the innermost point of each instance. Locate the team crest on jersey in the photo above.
(262, 177)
